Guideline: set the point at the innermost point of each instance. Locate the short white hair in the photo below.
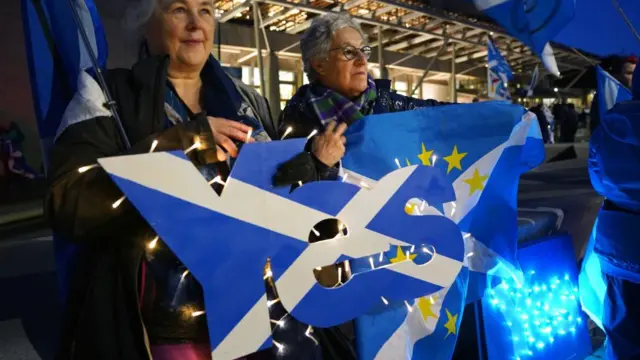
(316, 41)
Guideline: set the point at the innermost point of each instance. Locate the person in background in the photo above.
(542, 121)
(621, 68)
(335, 56)
(11, 139)
(123, 302)
(569, 126)
(614, 169)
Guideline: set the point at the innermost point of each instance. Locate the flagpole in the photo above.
(110, 104)
(626, 19)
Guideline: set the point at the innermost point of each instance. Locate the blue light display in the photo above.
(541, 317)
(537, 312)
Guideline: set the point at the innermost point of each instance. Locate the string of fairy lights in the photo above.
(540, 317)
(268, 275)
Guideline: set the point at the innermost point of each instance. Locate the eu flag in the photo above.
(481, 149)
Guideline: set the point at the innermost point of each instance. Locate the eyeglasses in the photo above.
(351, 52)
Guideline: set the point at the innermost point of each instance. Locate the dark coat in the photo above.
(337, 342)
(102, 316)
(300, 115)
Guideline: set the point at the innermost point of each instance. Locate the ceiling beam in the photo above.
(387, 25)
(233, 12)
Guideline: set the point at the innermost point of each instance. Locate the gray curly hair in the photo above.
(316, 41)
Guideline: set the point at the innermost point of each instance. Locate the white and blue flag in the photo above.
(593, 285)
(498, 74)
(535, 23)
(483, 161)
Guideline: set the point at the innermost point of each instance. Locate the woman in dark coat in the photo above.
(341, 92)
(123, 302)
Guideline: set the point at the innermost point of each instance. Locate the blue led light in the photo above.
(537, 312)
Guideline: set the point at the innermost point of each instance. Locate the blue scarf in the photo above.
(220, 98)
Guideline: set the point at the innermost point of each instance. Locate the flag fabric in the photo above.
(59, 64)
(534, 82)
(57, 57)
(483, 161)
(592, 283)
(535, 23)
(498, 74)
(610, 91)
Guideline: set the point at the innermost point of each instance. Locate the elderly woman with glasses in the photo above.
(341, 91)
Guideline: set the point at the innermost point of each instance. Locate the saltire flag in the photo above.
(59, 67)
(483, 160)
(534, 81)
(498, 74)
(592, 284)
(535, 23)
(610, 91)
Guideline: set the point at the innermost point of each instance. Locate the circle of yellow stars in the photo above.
(454, 161)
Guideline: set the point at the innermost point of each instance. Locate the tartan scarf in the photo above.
(331, 106)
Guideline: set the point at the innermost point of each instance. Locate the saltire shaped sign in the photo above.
(226, 240)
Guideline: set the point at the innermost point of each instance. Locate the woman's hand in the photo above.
(225, 132)
(329, 147)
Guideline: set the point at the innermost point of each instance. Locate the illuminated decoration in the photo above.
(174, 198)
(539, 312)
(540, 317)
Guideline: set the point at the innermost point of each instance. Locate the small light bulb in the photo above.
(197, 313)
(408, 306)
(398, 163)
(152, 244)
(87, 168)
(154, 144)
(246, 140)
(118, 202)
(371, 262)
(312, 134)
(286, 132)
(384, 300)
(278, 345)
(271, 302)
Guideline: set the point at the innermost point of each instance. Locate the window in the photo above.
(287, 86)
(251, 76)
(401, 87)
(375, 72)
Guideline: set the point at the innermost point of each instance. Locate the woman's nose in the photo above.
(195, 21)
(360, 59)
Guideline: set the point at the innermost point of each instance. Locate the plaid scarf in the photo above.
(331, 106)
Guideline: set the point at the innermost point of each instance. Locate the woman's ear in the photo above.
(319, 65)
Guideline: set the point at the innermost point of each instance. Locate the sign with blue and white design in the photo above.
(226, 240)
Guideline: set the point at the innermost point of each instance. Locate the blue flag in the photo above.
(481, 149)
(593, 285)
(498, 75)
(535, 23)
(610, 91)
(57, 60)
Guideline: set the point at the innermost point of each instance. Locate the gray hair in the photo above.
(140, 11)
(316, 41)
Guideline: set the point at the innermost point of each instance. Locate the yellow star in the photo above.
(454, 159)
(424, 304)
(409, 208)
(476, 182)
(401, 256)
(425, 156)
(451, 324)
